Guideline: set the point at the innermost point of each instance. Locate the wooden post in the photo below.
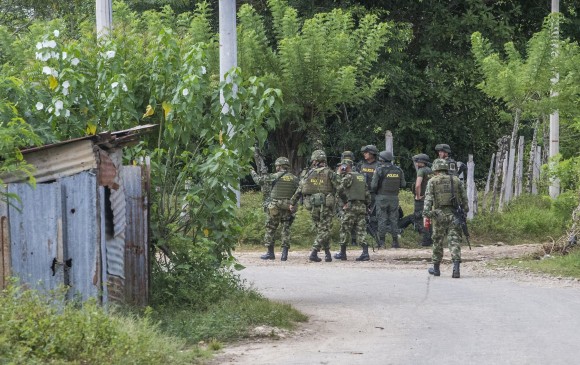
(389, 142)
(502, 144)
(532, 157)
(488, 182)
(519, 168)
(508, 187)
(536, 171)
(471, 191)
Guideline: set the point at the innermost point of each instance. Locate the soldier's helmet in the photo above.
(371, 148)
(443, 147)
(347, 155)
(440, 164)
(421, 157)
(386, 156)
(318, 155)
(282, 161)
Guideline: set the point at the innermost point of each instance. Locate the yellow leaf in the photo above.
(149, 111)
(221, 137)
(206, 232)
(52, 82)
(91, 128)
(166, 108)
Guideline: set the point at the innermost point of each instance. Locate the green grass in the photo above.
(561, 266)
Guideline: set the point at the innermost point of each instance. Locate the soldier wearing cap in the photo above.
(424, 173)
(443, 192)
(387, 180)
(456, 168)
(354, 198)
(318, 190)
(282, 185)
(367, 167)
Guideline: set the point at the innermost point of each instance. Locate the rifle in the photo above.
(459, 214)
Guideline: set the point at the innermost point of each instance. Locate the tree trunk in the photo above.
(519, 168)
(508, 189)
(502, 144)
(287, 140)
(530, 173)
(502, 193)
(536, 171)
(488, 182)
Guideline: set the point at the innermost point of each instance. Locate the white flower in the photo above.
(65, 91)
(58, 105)
(49, 110)
(75, 61)
(56, 33)
(39, 106)
(39, 45)
(54, 55)
(125, 87)
(66, 84)
(114, 85)
(57, 112)
(45, 44)
(38, 56)
(64, 54)
(185, 92)
(51, 44)
(67, 113)
(55, 73)
(46, 70)
(110, 54)
(203, 70)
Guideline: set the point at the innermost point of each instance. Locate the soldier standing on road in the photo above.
(318, 189)
(456, 168)
(424, 173)
(442, 189)
(387, 180)
(262, 182)
(282, 185)
(367, 168)
(340, 171)
(354, 199)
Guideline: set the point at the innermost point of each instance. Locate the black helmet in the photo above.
(386, 156)
(371, 148)
(421, 157)
(443, 147)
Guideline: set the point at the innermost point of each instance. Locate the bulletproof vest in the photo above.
(390, 180)
(356, 191)
(317, 181)
(441, 185)
(368, 169)
(285, 184)
(428, 175)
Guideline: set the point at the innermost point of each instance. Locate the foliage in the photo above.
(39, 329)
(560, 266)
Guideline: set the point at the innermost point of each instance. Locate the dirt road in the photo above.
(390, 311)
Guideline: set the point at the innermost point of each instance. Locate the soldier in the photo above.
(367, 168)
(340, 170)
(262, 182)
(318, 189)
(387, 180)
(456, 168)
(354, 198)
(444, 191)
(282, 185)
(424, 173)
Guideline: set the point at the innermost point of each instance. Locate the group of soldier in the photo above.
(366, 195)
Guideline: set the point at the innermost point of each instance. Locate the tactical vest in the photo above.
(285, 186)
(453, 168)
(317, 181)
(368, 169)
(426, 176)
(390, 180)
(356, 191)
(441, 185)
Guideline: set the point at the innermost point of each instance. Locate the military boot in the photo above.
(455, 269)
(314, 256)
(395, 242)
(284, 256)
(327, 255)
(269, 255)
(435, 269)
(364, 256)
(342, 254)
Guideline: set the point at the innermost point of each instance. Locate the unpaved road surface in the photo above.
(391, 311)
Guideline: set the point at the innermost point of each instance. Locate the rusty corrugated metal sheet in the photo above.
(82, 236)
(60, 161)
(36, 235)
(136, 237)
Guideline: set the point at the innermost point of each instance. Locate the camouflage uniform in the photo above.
(439, 209)
(262, 182)
(368, 169)
(387, 180)
(456, 168)
(282, 185)
(354, 199)
(318, 190)
(425, 174)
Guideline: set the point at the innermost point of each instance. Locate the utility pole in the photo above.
(228, 53)
(104, 17)
(555, 116)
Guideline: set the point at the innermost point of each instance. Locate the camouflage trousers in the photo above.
(388, 215)
(322, 223)
(418, 215)
(352, 222)
(444, 228)
(278, 214)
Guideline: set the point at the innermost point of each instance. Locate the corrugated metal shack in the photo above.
(85, 225)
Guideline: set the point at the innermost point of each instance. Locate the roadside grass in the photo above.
(560, 266)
